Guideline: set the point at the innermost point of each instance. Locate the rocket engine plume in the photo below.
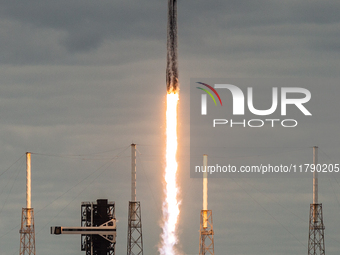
(171, 203)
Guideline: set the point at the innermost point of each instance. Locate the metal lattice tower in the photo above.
(206, 233)
(316, 239)
(135, 236)
(206, 222)
(27, 233)
(316, 243)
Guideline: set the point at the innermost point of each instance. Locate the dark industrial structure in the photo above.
(98, 228)
(96, 215)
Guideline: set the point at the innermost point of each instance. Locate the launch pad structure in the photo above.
(97, 230)
(206, 245)
(316, 238)
(98, 223)
(27, 231)
(101, 214)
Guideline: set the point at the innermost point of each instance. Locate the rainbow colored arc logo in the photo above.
(209, 93)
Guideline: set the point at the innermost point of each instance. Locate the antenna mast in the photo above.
(206, 223)
(135, 237)
(315, 175)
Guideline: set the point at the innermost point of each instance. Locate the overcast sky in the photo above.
(81, 80)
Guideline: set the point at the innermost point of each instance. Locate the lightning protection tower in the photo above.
(206, 222)
(27, 233)
(316, 240)
(135, 236)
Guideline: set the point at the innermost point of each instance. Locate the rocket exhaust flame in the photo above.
(171, 204)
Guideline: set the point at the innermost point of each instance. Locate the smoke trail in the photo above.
(171, 65)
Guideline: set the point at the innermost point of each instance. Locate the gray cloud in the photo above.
(85, 77)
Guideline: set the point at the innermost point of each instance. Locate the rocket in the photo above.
(172, 84)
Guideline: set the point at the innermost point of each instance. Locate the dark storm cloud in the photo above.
(261, 12)
(85, 25)
(258, 27)
(53, 32)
